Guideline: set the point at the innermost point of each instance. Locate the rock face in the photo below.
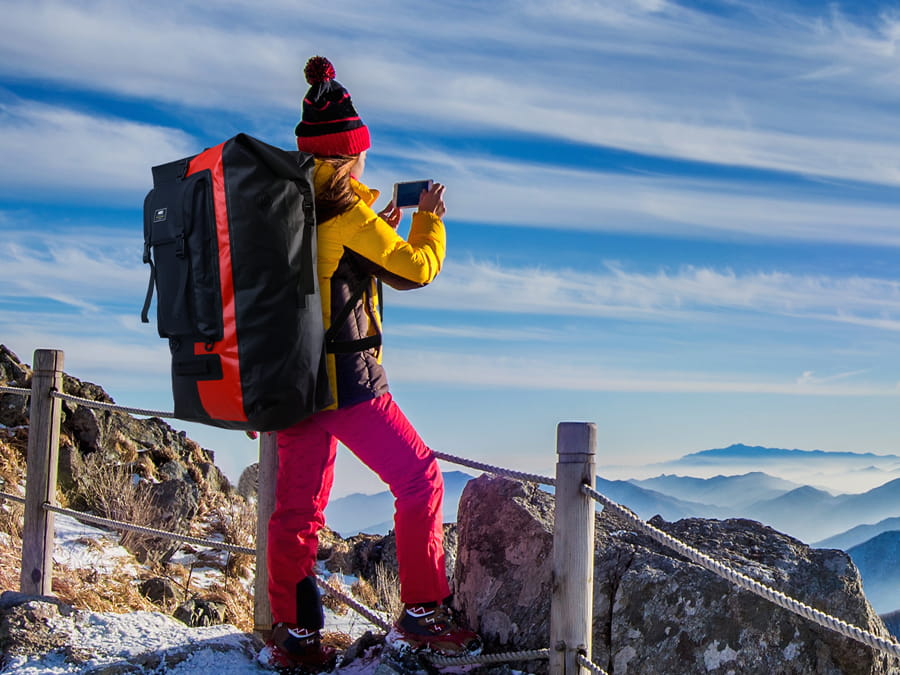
(655, 612)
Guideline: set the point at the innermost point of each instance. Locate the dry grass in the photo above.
(238, 605)
(12, 474)
(364, 592)
(387, 590)
(110, 489)
(10, 563)
(12, 519)
(234, 518)
(331, 601)
(87, 589)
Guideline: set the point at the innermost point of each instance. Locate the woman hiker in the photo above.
(357, 249)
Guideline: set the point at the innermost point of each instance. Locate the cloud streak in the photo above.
(648, 77)
(562, 374)
(57, 152)
(92, 270)
(689, 294)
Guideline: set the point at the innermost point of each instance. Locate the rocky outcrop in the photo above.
(178, 474)
(655, 612)
(361, 554)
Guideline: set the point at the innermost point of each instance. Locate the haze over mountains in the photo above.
(836, 472)
(811, 510)
(804, 493)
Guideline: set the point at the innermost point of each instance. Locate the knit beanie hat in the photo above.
(329, 124)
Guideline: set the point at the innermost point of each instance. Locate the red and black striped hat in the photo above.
(329, 124)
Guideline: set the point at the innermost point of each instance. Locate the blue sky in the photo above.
(678, 220)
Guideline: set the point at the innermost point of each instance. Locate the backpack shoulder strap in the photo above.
(332, 346)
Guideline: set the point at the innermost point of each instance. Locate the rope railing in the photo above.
(150, 531)
(102, 405)
(500, 471)
(747, 583)
(382, 622)
(12, 498)
(497, 657)
(586, 663)
(375, 618)
(15, 390)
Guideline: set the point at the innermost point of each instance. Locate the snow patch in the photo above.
(80, 546)
(714, 657)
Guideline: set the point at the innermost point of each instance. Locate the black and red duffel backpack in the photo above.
(230, 238)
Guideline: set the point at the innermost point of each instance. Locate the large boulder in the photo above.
(654, 611)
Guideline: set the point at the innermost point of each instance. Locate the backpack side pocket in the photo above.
(180, 220)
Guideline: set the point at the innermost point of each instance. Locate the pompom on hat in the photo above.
(329, 124)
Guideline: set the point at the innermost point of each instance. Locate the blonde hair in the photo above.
(336, 195)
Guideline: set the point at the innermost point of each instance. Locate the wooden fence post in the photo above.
(40, 476)
(265, 504)
(571, 604)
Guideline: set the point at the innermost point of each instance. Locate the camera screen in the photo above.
(407, 194)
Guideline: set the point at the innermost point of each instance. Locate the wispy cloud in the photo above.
(86, 271)
(645, 76)
(55, 151)
(91, 270)
(688, 294)
(565, 373)
(107, 156)
(538, 195)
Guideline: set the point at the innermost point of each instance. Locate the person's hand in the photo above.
(433, 200)
(391, 215)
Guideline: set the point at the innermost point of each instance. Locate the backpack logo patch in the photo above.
(160, 215)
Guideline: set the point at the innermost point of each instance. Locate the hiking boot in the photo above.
(432, 627)
(297, 650)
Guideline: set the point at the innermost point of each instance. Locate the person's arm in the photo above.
(403, 263)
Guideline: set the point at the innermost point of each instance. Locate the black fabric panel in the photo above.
(198, 367)
(179, 227)
(310, 614)
(279, 322)
(359, 375)
(187, 370)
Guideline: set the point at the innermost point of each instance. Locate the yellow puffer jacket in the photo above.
(356, 251)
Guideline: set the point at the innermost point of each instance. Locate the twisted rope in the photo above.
(528, 477)
(118, 525)
(15, 390)
(87, 403)
(373, 617)
(499, 657)
(13, 498)
(748, 584)
(379, 620)
(584, 662)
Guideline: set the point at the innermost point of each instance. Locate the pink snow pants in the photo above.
(382, 437)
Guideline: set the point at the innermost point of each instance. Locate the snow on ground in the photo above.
(159, 644)
(156, 642)
(80, 546)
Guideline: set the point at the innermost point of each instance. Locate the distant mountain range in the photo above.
(866, 523)
(374, 514)
(876, 560)
(836, 472)
(756, 452)
(804, 512)
(731, 491)
(859, 534)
